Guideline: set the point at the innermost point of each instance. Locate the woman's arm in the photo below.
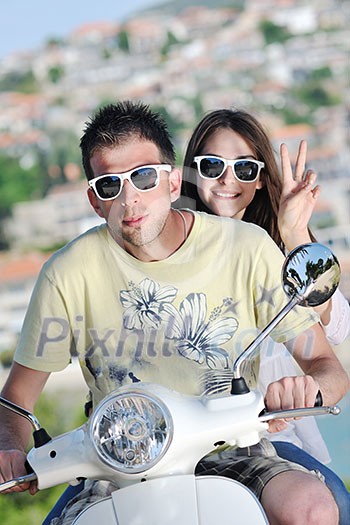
(298, 199)
(337, 326)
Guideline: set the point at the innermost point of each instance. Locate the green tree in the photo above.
(17, 184)
(321, 73)
(313, 95)
(55, 74)
(123, 41)
(171, 41)
(20, 81)
(291, 115)
(174, 125)
(55, 41)
(273, 32)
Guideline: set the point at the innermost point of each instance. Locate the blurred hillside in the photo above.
(286, 61)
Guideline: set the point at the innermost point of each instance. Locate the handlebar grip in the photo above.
(319, 399)
(318, 403)
(28, 467)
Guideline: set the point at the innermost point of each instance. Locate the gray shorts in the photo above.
(252, 466)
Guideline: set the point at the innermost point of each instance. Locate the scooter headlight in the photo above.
(131, 431)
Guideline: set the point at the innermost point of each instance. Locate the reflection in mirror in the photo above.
(311, 274)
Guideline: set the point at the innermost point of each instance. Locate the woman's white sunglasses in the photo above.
(145, 178)
(211, 167)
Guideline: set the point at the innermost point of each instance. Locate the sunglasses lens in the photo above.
(211, 167)
(246, 170)
(108, 187)
(145, 178)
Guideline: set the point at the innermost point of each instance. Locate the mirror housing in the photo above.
(310, 276)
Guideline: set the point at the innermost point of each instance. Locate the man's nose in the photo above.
(129, 195)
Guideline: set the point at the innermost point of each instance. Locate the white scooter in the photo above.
(147, 439)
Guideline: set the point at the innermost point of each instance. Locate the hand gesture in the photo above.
(298, 198)
(288, 393)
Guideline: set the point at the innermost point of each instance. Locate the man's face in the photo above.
(135, 219)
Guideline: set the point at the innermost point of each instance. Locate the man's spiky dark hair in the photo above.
(114, 124)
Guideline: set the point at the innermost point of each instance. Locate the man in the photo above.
(165, 296)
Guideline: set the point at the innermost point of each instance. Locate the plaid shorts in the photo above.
(252, 466)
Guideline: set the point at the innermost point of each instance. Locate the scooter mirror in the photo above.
(311, 273)
(310, 276)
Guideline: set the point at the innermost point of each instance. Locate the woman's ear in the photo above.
(259, 184)
(175, 179)
(95, 203)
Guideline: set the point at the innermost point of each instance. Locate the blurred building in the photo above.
(62, 215)
(18, 273)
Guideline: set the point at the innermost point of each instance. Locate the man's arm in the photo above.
(322, 370)
(316, 358)
(23, 388)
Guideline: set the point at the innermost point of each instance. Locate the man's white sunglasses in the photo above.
(145, 178)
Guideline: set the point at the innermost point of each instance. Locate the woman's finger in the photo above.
(316, 192)
(287, 173)
(301, 161)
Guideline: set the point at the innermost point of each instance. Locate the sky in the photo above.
(27, 24)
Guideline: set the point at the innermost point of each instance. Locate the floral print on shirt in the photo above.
(148, 306)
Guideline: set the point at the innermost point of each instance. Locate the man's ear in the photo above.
(95, 203)
(175, 179)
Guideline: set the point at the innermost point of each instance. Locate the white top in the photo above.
(338, 328)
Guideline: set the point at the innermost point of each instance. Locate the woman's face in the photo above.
(227, 196)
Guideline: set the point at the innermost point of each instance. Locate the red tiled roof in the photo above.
(293, 131)
(103, 28)
(18, 268)
(32, 136)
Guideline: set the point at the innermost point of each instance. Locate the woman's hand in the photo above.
(298, 198)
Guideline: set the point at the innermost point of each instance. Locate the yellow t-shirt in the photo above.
(167, 321)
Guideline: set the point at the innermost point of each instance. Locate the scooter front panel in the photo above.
(101, 513)
(225, 501)
(185, 500)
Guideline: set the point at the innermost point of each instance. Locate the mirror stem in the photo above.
(21, 412)
(248, 352)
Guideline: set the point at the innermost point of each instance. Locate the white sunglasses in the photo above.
(245, 170)
(145, 178)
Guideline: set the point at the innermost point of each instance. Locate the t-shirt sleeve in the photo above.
(45, 342)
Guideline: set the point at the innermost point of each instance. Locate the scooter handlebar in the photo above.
(7, 485)
(299, 412)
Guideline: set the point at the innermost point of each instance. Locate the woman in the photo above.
(230, 170)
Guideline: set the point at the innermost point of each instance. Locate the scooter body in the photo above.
(157, 485)
(147, 441)
(186, 499)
